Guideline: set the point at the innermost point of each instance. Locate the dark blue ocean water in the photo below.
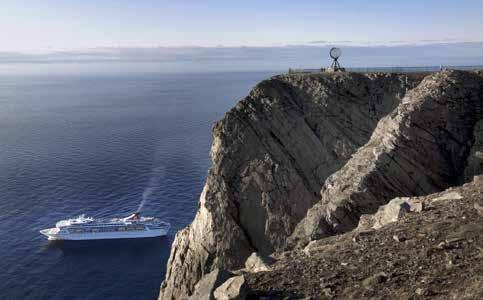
(93, 144)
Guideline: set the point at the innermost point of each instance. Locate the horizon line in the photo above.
(309, 44)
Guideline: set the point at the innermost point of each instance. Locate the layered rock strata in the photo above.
(420, 148)
(273, 152)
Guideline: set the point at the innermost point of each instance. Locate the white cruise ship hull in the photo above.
(102, 235)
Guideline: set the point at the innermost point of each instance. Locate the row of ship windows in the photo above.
(106, 229)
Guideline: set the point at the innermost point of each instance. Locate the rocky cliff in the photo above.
(420, 148)
(334, 145)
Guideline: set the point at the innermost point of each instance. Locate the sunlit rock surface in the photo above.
(274, 152)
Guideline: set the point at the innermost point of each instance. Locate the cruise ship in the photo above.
(84, 228)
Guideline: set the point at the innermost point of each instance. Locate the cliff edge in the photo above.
(304, 156)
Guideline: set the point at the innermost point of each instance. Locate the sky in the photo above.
(125, 30)
(69, 24)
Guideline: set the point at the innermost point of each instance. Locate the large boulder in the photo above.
(205, 288)
(390, 213)
(257, 263)
(234, 288)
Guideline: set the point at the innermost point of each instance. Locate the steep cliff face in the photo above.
(420, 148)
(271, 155)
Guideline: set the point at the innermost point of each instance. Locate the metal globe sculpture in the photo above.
(335, 53)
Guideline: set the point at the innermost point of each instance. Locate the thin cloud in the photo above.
(308, 55)
(388, 43)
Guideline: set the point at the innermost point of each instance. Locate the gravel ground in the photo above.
(435, 254)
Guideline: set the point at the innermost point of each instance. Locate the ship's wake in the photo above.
(153, 185)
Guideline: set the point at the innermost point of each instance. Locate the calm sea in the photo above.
(93, 144)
